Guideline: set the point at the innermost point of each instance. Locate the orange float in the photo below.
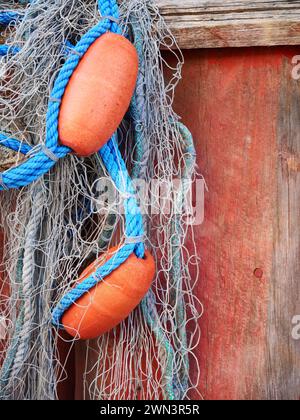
(98, 94)
(112, 300)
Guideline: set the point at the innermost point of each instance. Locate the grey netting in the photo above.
(56, 226)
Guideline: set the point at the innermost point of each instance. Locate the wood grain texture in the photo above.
(283, 366)
(243, 109)
(216, 23)
(232, 23)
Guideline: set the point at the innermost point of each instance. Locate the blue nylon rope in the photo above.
(115, 165)
(14, 144)
(6, 49)
(40, 162)
(8, 16)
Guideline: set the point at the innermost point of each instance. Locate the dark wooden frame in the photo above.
(232, 23)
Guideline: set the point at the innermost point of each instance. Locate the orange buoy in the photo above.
(98, 94)
(112, 300)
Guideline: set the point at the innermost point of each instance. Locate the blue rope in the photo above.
(14, 144)
(116, 167)
(46, 156)
(6, 49)
(8, 16)
(40, 163)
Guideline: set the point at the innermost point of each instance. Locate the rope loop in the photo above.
(41, 162)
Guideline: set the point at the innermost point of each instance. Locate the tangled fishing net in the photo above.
(60, 223)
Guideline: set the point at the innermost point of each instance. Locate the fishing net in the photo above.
(55, 227)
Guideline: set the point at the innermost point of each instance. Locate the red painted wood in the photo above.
(230, 99)
(66, 353)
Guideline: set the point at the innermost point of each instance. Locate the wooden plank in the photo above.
(219, 23)
(248, 146)
(232, 23)
(283, 363)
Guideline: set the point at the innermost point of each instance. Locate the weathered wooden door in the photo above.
(243, 107)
